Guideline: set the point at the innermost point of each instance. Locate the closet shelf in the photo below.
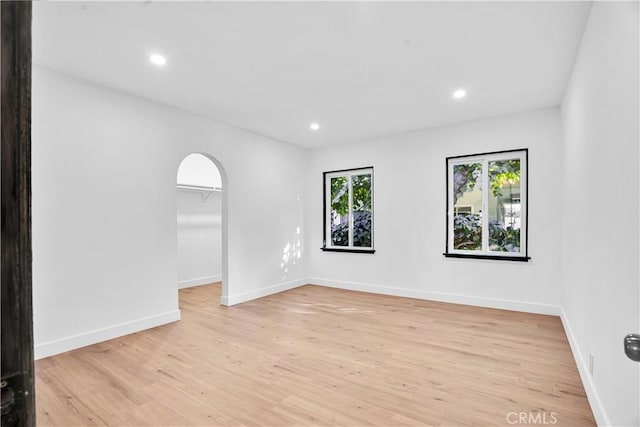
(205, 192)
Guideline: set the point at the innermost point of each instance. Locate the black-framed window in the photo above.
(348, 210)
(487, 206)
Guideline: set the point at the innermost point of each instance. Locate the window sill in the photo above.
(352, 251)
(492, 257)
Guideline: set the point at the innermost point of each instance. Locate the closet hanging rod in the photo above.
(198, 187)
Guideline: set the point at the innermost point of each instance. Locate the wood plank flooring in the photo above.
(322, 357)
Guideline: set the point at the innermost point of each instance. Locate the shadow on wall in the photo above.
(203, 250)
(292, 251)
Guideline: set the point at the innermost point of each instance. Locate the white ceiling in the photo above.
(359, 69)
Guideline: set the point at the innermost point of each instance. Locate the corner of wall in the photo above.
(592, 394)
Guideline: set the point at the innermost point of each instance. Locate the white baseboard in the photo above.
(594, 399)
(93, 337)
(199, 281)
(262, 292)
(441, 296)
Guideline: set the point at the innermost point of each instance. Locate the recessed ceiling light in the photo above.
(157, 59)
(459, 93)
(314, 126)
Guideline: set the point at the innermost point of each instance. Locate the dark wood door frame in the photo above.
(18, 398)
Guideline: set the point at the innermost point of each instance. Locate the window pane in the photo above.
(467, 207)
(504, 206)
(361, 210)
(339, 211)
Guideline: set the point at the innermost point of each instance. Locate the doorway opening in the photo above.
(202, 223)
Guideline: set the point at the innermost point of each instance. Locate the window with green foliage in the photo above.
(348, 210)
(487, 206)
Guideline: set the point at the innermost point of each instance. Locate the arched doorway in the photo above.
(202, 222)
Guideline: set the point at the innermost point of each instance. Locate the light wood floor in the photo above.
(323, 357)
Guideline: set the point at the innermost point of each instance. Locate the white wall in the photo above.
(601, 119)
(104, 210)
(199, 237)
(409, 198)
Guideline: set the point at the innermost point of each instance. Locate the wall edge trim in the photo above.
(597, 407)
(262, 292)
(504, 304)
(99, 335)
(199, 281)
